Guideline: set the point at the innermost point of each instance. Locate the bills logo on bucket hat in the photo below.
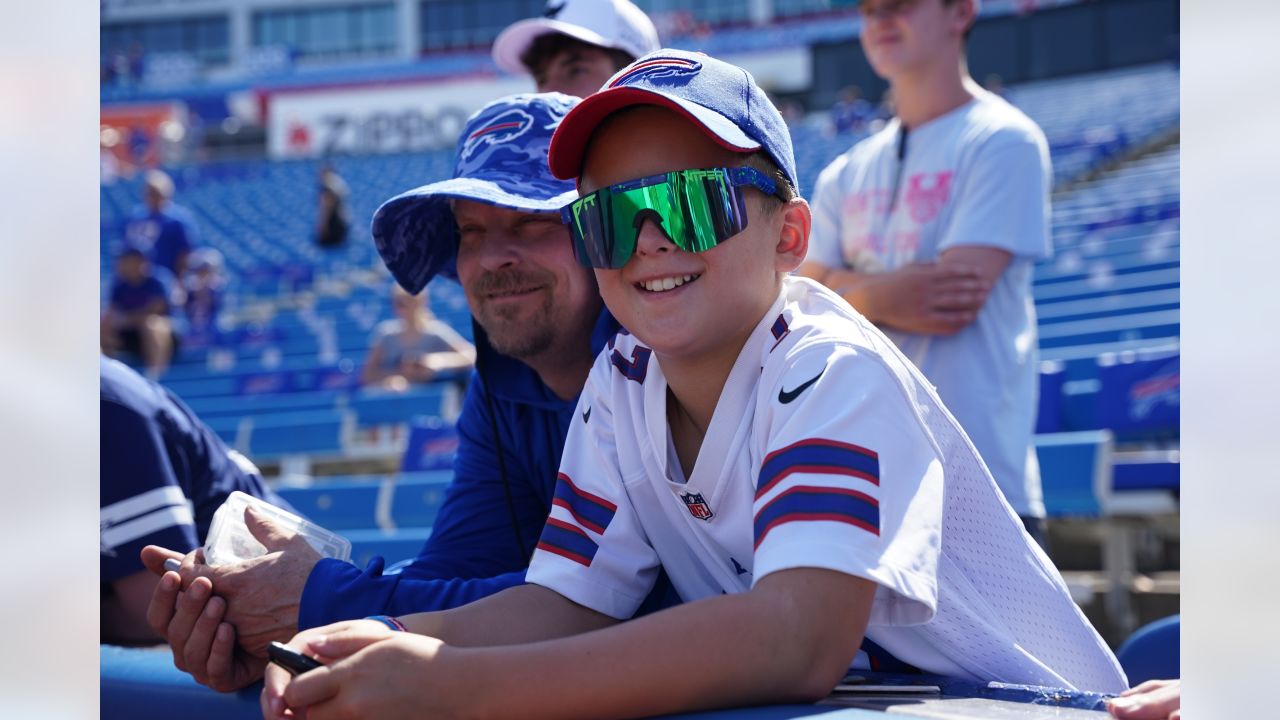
(501, 160)
(721, 98)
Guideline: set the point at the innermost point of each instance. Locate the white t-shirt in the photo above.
(827, 449)
(979, 175)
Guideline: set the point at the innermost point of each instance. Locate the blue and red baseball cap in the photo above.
(501, 160)
(721, 98)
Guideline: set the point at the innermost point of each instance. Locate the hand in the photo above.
(926, 297)
(327, 644)
(203, 645)
(1152, 700)
(257, 599)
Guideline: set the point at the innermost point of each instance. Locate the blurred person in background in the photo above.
(137, 318)
(204, 287)
(161, 228)
(931, 228)
(164, 474)
(577, 45)
(414, 347)
(333, 218)
(539, 323)
(851, 112)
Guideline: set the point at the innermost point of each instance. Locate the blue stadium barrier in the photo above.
(417, 498)
(142, 683)
(393, 545)
(432, 445)
(1153, 651)
(380, 407)
(1141, 398)
(1147, 471)
(315, 431)
(337, 506)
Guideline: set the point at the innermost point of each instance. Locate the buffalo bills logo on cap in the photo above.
(659, 71)
(502, 129)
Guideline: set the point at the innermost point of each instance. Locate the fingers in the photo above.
(947, 322)
(274, 682)
(163, 599)
(348, 640)
(187, 611)
(195, 652)
(192, 567)
(153, 557)
(1158, 702)
(962, 300)
(311, 688)
(219, 668)
(266, 531)
(1146, 687)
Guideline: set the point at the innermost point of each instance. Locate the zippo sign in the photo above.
(406, 117)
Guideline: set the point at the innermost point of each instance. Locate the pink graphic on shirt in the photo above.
(926, 194)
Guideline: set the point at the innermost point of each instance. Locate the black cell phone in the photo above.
(289, 659)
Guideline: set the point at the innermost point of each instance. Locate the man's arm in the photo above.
(791, 638)
(939, 298)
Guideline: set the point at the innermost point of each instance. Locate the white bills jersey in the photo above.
(827, 449)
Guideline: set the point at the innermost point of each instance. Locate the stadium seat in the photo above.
(1075, 472)
(1152, 651)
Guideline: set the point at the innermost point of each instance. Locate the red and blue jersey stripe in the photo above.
(591, 511)
(820, 457)
(568, 541)
(810, 503)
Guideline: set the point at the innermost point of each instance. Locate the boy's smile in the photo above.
(686, 304)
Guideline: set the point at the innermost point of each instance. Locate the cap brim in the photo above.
(571, 138)
(512, 42)
(415, 233)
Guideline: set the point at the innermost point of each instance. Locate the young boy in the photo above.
(809, 496)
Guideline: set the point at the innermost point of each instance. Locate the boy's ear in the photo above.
(793, 236)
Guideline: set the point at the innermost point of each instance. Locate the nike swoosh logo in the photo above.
(586, 414)
(785, 396)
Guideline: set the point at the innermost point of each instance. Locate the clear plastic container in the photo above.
(229, 539)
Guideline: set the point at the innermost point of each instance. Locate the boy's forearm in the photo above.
(770, 645)
(517, 615)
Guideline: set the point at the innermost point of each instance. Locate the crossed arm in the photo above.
(529, 652)
(939, 298)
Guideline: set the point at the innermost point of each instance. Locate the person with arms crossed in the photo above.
(809, 495)
(539, 322)
(931, 228)
(576, 45)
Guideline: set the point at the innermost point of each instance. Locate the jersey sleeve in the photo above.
(824, 237)
(849, 481)
(593, 549)
(1004, 200)
(142, 500)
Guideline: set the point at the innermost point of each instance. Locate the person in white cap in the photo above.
(931, 228)
(576, 45)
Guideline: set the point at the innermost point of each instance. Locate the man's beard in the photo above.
(520, 332)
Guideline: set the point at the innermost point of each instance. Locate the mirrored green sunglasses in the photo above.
(697, 209)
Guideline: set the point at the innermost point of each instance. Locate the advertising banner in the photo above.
(389, 118)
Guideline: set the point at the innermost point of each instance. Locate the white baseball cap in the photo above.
(616, 24)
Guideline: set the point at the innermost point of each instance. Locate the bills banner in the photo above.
(389, 118)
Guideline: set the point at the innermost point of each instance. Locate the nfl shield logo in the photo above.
(697, 506)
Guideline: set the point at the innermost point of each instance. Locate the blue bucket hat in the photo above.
(721, 98)
(501, 161)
